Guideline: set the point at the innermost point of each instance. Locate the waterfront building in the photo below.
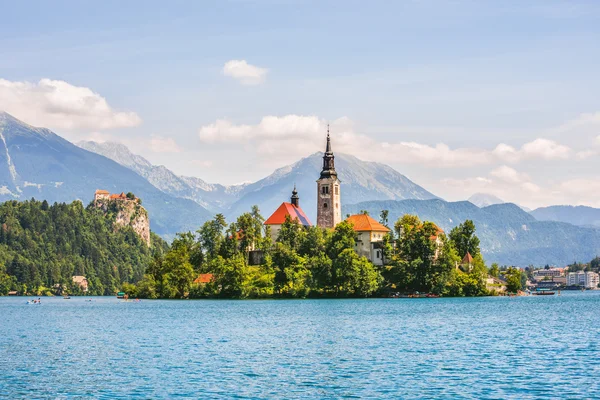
(329, 205)
(589, 279)
(493, 284)
(540, 274)
(370, 234)
(291, 209)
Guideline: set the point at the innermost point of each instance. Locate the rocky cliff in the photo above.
(128, 213)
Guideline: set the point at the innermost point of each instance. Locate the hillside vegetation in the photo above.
(43, 246)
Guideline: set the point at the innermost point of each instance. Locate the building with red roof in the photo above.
(204, 278)
(370, 234)
(467, 262)
(101, 195)
(291, 209)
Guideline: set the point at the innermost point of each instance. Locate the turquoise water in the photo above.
(496, 348)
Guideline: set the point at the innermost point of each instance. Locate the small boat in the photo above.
(543, 292)
(121, 295)
(432, 296)
(67, 297)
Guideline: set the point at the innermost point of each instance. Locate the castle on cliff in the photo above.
(128, 211)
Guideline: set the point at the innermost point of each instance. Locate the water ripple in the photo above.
(488, 348)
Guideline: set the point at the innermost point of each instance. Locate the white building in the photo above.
(540, 274)
(370, 234)
(589, 279)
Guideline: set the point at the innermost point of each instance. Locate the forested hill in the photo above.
(43, 246)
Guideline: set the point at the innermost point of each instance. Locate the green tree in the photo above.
(291, 274)
(384, 217)
(211, 236)
(494, 270)
(513, 280)
(291, 233)
(464, 239)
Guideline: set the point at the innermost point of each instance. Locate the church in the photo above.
(370, 233)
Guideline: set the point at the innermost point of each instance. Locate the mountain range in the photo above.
(35, 162)
(576, 215)
(361, 181)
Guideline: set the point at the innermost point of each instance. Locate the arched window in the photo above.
(325, 189)
(324, 205)
(337, 189)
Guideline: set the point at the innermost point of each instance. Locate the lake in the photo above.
(526, 347)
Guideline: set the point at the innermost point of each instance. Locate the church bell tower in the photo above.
(329, 206)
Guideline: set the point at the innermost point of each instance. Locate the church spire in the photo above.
(295, 200)
(328, 146)
(328, 159)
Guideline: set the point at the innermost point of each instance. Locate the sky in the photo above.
(461, 96)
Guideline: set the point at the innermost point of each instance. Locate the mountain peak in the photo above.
(484, 199)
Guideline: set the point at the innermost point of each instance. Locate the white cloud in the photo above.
(585, 154)
(159, 144)
(504, 182)
(509, 175)
(245, 73)
(581, 188)
(545, 149)
(539, 148)
(59, 105)
(297, 135)
(202, 163)
(586, 120)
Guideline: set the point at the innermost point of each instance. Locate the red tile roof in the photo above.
(204, 278)
(364, 223)
(468, 259)
(118, 196)
(438, 232)
(278, 217)
(100, 191)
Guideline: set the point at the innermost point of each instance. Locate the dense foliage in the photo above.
(422, 259)
(302, 262)
(43, 246)
(312, 262)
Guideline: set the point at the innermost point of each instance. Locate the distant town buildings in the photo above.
(588, 279)
(540, 274)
